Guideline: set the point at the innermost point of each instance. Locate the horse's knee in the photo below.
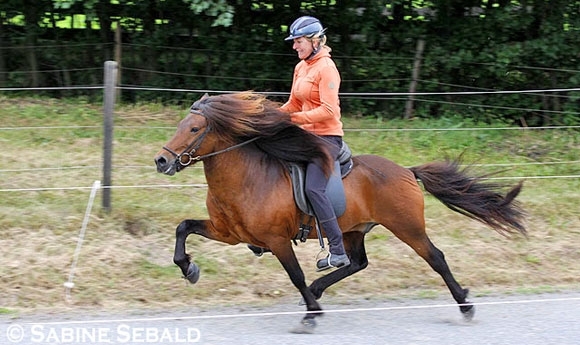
(191, 226)
(182, 228)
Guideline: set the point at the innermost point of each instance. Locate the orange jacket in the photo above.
(313, 102)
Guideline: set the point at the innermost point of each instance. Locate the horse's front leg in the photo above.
(287, 258)
(187, 227)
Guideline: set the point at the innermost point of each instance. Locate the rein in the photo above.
(202, 157)
(194, 146)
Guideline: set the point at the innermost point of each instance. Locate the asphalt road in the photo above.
(522, 319)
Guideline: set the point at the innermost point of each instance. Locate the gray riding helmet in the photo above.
(305, 26)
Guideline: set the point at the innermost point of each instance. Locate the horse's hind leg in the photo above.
(436, 259)
(354, 246)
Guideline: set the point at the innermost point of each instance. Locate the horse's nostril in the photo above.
(160, 161)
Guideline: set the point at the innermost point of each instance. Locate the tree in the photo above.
(219, 9)
(239, 44)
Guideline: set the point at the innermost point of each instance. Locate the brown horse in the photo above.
(246, 144)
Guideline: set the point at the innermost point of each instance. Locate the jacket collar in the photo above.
(322, 52)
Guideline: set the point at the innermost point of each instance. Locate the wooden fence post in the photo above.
(108, 109)
(415, 76)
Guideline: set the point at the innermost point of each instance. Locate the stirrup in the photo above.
(332, 261)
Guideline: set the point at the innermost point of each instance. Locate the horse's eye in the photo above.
(194, 129)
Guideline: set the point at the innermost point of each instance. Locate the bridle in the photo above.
(191, 149)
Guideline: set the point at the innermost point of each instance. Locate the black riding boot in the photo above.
(337, 256)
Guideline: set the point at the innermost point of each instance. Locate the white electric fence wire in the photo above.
(203, 185)
(151, 167)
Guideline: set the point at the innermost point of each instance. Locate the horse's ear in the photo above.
(195, 106)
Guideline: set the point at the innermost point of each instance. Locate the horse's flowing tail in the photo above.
(472, 197)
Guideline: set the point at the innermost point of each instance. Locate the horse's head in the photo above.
(185, 147)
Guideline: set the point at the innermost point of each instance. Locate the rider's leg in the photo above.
(315, 188)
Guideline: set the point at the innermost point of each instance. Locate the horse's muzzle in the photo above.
(164, 166)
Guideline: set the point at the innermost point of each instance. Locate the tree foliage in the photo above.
(471, 45)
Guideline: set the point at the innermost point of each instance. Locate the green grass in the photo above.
(5, 311)
(126, 258)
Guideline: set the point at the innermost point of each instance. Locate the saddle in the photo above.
(334, 189)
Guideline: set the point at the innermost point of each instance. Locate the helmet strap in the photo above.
(314, 50)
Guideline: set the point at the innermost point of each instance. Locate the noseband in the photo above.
(190, 150)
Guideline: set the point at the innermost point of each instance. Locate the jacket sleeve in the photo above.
(291, 106)
(329, 103)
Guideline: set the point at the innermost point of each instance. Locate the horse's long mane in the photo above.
(238, 117)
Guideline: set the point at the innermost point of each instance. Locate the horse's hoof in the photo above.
(306, 326)
(192, 273)
(468, 312)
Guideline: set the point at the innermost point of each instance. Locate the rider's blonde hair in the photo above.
(319, 38)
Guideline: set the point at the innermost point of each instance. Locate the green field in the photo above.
(52, 153)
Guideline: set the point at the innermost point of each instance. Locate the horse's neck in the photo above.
(227, 170)
(230, 172)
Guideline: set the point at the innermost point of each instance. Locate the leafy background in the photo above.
(238, 45)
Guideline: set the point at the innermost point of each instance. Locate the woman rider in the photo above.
(314, 105)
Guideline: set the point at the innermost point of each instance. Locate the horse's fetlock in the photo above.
(179, 260)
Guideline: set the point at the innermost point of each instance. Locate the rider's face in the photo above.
(303, 47)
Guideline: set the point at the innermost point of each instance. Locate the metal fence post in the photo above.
(108, 109)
